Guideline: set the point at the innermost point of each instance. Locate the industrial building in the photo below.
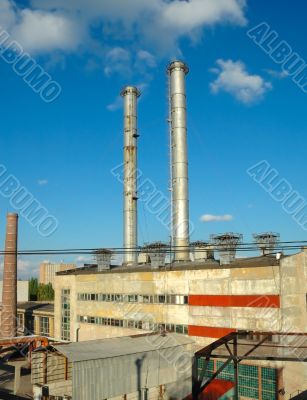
(203, 299)
(48, 270)
(193, 294)
(201, 290)
(34, 318)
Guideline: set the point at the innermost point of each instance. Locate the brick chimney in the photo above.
(8, 326)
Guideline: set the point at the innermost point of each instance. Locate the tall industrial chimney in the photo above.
(130, 95)
(177, 71)
(9, 292)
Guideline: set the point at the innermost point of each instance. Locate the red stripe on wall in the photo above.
(208, 331)
(264, 301)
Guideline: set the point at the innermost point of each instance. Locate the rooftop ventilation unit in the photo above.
(266, 242)
(202, 251)
(156, 253)
(226, 244)
(103, 259)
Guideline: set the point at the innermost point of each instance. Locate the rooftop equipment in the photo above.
(202, 251)
(266, 242)
(227, 244)
(156, 253)
(103, 259)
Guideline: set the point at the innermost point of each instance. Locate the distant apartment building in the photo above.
(47, 271)
(22, 291)
(202, 299)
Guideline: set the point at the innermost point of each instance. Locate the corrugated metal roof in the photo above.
(115, 347)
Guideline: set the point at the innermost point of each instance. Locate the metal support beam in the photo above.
(235, 368)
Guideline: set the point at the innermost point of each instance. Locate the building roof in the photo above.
(33, 306)
(120, 346)
(251, 262)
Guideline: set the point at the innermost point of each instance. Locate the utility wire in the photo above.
(167, 248)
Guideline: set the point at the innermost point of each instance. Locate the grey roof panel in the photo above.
(120, 346)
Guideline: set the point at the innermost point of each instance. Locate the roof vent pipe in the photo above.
(103, 259)
(156, 253)
(227, 244)
(202, 251)
(266, 242)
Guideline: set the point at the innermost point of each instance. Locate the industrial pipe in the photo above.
(130, 95)
(177, 71)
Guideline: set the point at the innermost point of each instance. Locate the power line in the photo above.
(247, 247)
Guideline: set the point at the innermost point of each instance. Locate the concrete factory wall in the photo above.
(262, 281)
(22, 291)
(260, 298)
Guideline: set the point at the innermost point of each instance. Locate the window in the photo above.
(177, 299)
(133, 324)
(162, 299)
(65, 314)
(20, 323)
(44, 326)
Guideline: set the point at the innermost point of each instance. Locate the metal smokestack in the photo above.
(9, 293)
(177, 71)
(130, 95)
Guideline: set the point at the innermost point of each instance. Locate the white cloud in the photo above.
(117, 60)
(7, 14)
(25, 268)
(277, 74)
(216, 218)
(81, 260)
(42, 182)
(147, 58)
(116, 105)
(189, 15)
(234, 79)
(41, 31)
(149, 28)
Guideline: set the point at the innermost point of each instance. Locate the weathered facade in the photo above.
(35, 318)
(202, 300)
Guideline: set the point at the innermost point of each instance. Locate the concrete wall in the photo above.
(22, 291)
(287, 280)
(238, 281)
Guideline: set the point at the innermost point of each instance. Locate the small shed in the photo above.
(144, 366)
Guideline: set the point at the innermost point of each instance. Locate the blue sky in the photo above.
(241, 109)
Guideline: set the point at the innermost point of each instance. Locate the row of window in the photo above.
(134, 298)
(136, 324)
(44, 326)
(65, 314)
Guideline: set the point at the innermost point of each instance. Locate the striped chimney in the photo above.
(9, 292)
